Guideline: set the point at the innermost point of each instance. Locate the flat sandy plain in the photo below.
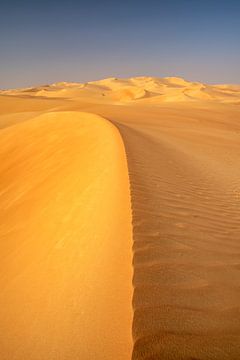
(120, 221)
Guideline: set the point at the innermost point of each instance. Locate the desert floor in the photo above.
(120, 221)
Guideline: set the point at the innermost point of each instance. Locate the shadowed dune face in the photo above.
(182, 142)
(184, 179)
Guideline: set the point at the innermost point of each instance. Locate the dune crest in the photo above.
(66, 262)
(65, 232)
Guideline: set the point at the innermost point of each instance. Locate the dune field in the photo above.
(120, 221)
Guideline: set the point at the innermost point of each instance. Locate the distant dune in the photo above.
(120, 221)
(157, 90)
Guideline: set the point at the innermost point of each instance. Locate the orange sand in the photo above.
(65, 240)
(66, 220)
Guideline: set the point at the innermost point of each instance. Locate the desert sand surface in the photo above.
(114, 180)
(66, 240)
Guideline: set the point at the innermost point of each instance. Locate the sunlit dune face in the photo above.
(120, 220)
(65, 239)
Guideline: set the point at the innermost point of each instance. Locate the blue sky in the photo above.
(49, 41)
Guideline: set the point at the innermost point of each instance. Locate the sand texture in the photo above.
(65, 240)
(120, 221)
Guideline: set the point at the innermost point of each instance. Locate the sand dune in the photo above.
(169, 89)
(66, 260)
(186, 223)
(65, 240)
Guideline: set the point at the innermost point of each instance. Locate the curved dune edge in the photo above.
(66, 253)
(185, 242)
(183, 167)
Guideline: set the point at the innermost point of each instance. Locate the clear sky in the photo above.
(47, 41)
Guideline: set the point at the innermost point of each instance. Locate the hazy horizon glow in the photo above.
(44, 42)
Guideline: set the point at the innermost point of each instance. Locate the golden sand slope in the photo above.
(65, 240)
(182, 141)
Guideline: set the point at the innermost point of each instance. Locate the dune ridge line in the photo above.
(66, 254)
(172, 167)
